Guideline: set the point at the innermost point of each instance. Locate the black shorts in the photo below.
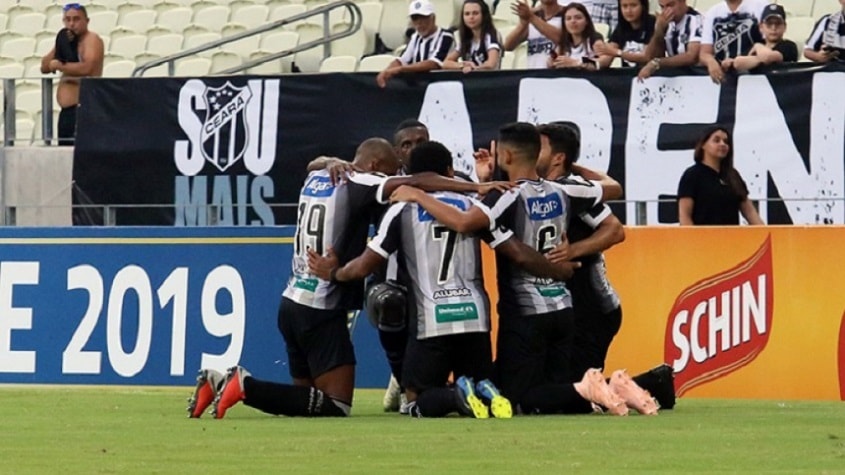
(317, 340)
(67, 125)
(533, 350)
(428, 362)
(594, 332)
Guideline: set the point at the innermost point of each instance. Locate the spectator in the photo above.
(604, 11)
(78, 53)
(579, 40)
(774, 49)
(731, 29)
(478, 41)
(542, 29)
(712, 192)
(631, 36)
(677, 38)
(428, 47)
(827, 42)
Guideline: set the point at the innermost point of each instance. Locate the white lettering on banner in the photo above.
(15, 318)
(650, 172)
(444, 111)
(230, 324)
(573, 100)
(174, 292)
(758, 115)
(249, 114)
(728, 320)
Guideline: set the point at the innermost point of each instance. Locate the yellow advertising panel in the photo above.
(739, 312)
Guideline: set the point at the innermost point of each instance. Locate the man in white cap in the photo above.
(427, 48)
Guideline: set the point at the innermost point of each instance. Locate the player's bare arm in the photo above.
(611, 189)
(535, 263)
(607, 234)
(326, 267)
(474, 219)
(429, 181)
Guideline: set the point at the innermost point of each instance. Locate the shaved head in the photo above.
(376, 154)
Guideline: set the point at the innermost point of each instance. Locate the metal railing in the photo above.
(354, 24)
(10, 112)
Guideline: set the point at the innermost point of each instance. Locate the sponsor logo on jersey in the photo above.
(546, 207)
(721, 323)
(318, 186)
(447, 293)
(423, 215)
(455, 312)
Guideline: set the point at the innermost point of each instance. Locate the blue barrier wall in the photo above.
(149, 305)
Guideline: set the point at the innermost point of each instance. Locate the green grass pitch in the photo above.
(60, 429)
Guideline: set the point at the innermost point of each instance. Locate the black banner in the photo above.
(238, 145)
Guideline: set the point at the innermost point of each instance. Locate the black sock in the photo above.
(554, 399)
(394, 344)
(660, 383)
(437, 402)
(289, 400)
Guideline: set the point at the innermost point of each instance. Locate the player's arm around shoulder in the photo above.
(473, 219)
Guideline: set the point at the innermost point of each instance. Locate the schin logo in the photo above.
(546, 207)
(319, 186)
(227, 123)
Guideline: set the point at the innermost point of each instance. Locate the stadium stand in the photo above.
(339, 64)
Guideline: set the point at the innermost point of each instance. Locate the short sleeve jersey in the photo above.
(733, 34)
(633, 41)
(538, 213)
(591, 278)
(714, 203)
(337, 216)
(830, 31)
(441, 267)
(479, 52)
(539, 47)
(434, 47)
(680, 34)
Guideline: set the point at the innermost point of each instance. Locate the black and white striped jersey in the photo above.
(829, 31)
(591, 278)
(538, 213)
(441, 267)
(336, 216)
(679, 34)
(734, 33)
(435, 47)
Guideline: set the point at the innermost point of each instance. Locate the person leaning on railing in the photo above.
(78, 53)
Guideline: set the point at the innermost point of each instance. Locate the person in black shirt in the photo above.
(712, 192)
(631, 36)
(774, 48)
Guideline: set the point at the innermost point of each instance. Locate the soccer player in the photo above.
(535, 314)
(449, 305)
(598, 312)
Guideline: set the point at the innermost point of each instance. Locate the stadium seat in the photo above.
(375, 63)
(17, 10)
(199, 40)
(797, 8)
(28, 101)
(145, 57)
(371, 22)
(274, 43)
(503, 18)
(167, 6)
(103, 22)
(119, 69)
(128, 46)
(212, 17)
(54, 22)
(17, 48)
(232, 29)
(27, 24)
(704, 5)
(24, 129)
(604, 30)
(54, 9)
(825, 7)
(139, 20)
(520, 56)
(287, 11)
(339, 64)
(394, 22)
(309, 60)
(243, 47)
(193, 67)
(11, 70)
(799, 28)
(4, 21)
(176, 19)
(165, 45)
(252, 16)
(354, 45)
(506, 63)
(446, 13)
(127, 6)
(223, 60)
